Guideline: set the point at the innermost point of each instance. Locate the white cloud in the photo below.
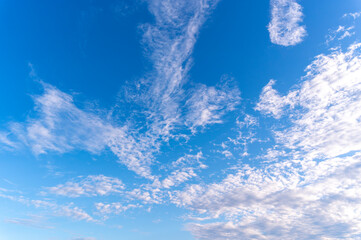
(177, 177)
(61, 126)
(184, 169)
(285, 28)
(341, 33)
(177, 173)
(271, 102)
(353, 15)
(113, 208)
(310, 189)
(326, 116)
(169, 43)
(284, 201)
(68, 210)
(8, 144)
(207, 105)
(90, 186)
(74, 212)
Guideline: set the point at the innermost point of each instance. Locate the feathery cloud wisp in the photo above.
(90, 186)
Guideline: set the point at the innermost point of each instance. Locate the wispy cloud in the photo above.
(60, 125)
(207, 105)
(285, 27)
(6, 142)
(34, 221)
(340, 33)
(90, 186)
(354, 15)
(67, 210)
(169, 43)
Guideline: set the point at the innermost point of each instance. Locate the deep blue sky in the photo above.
(156, 119)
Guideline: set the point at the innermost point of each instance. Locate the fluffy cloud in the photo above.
(285, 28)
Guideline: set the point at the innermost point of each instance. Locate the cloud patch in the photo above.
(285, 28)
(90, 186)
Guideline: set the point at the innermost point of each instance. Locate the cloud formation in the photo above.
(325, 109)
(285, 27)
(90, 186)
(60, 125)
(309, 190)
(67, 210)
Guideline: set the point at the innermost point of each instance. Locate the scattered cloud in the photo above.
(309, 190)
(271, 103)
(285, 28)
(207, 105)
(90, 186)
(326, 115)
(289, 200)
(353, 15)
(304, 187)
(68, 210)
(341, 33)
(59, 125)
(114, 208)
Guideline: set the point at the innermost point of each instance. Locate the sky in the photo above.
(182, 120)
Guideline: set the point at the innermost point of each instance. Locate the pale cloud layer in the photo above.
(285, 27)
(68, 210)
(32, 221)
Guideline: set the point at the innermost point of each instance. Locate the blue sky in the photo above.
(168, 119)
